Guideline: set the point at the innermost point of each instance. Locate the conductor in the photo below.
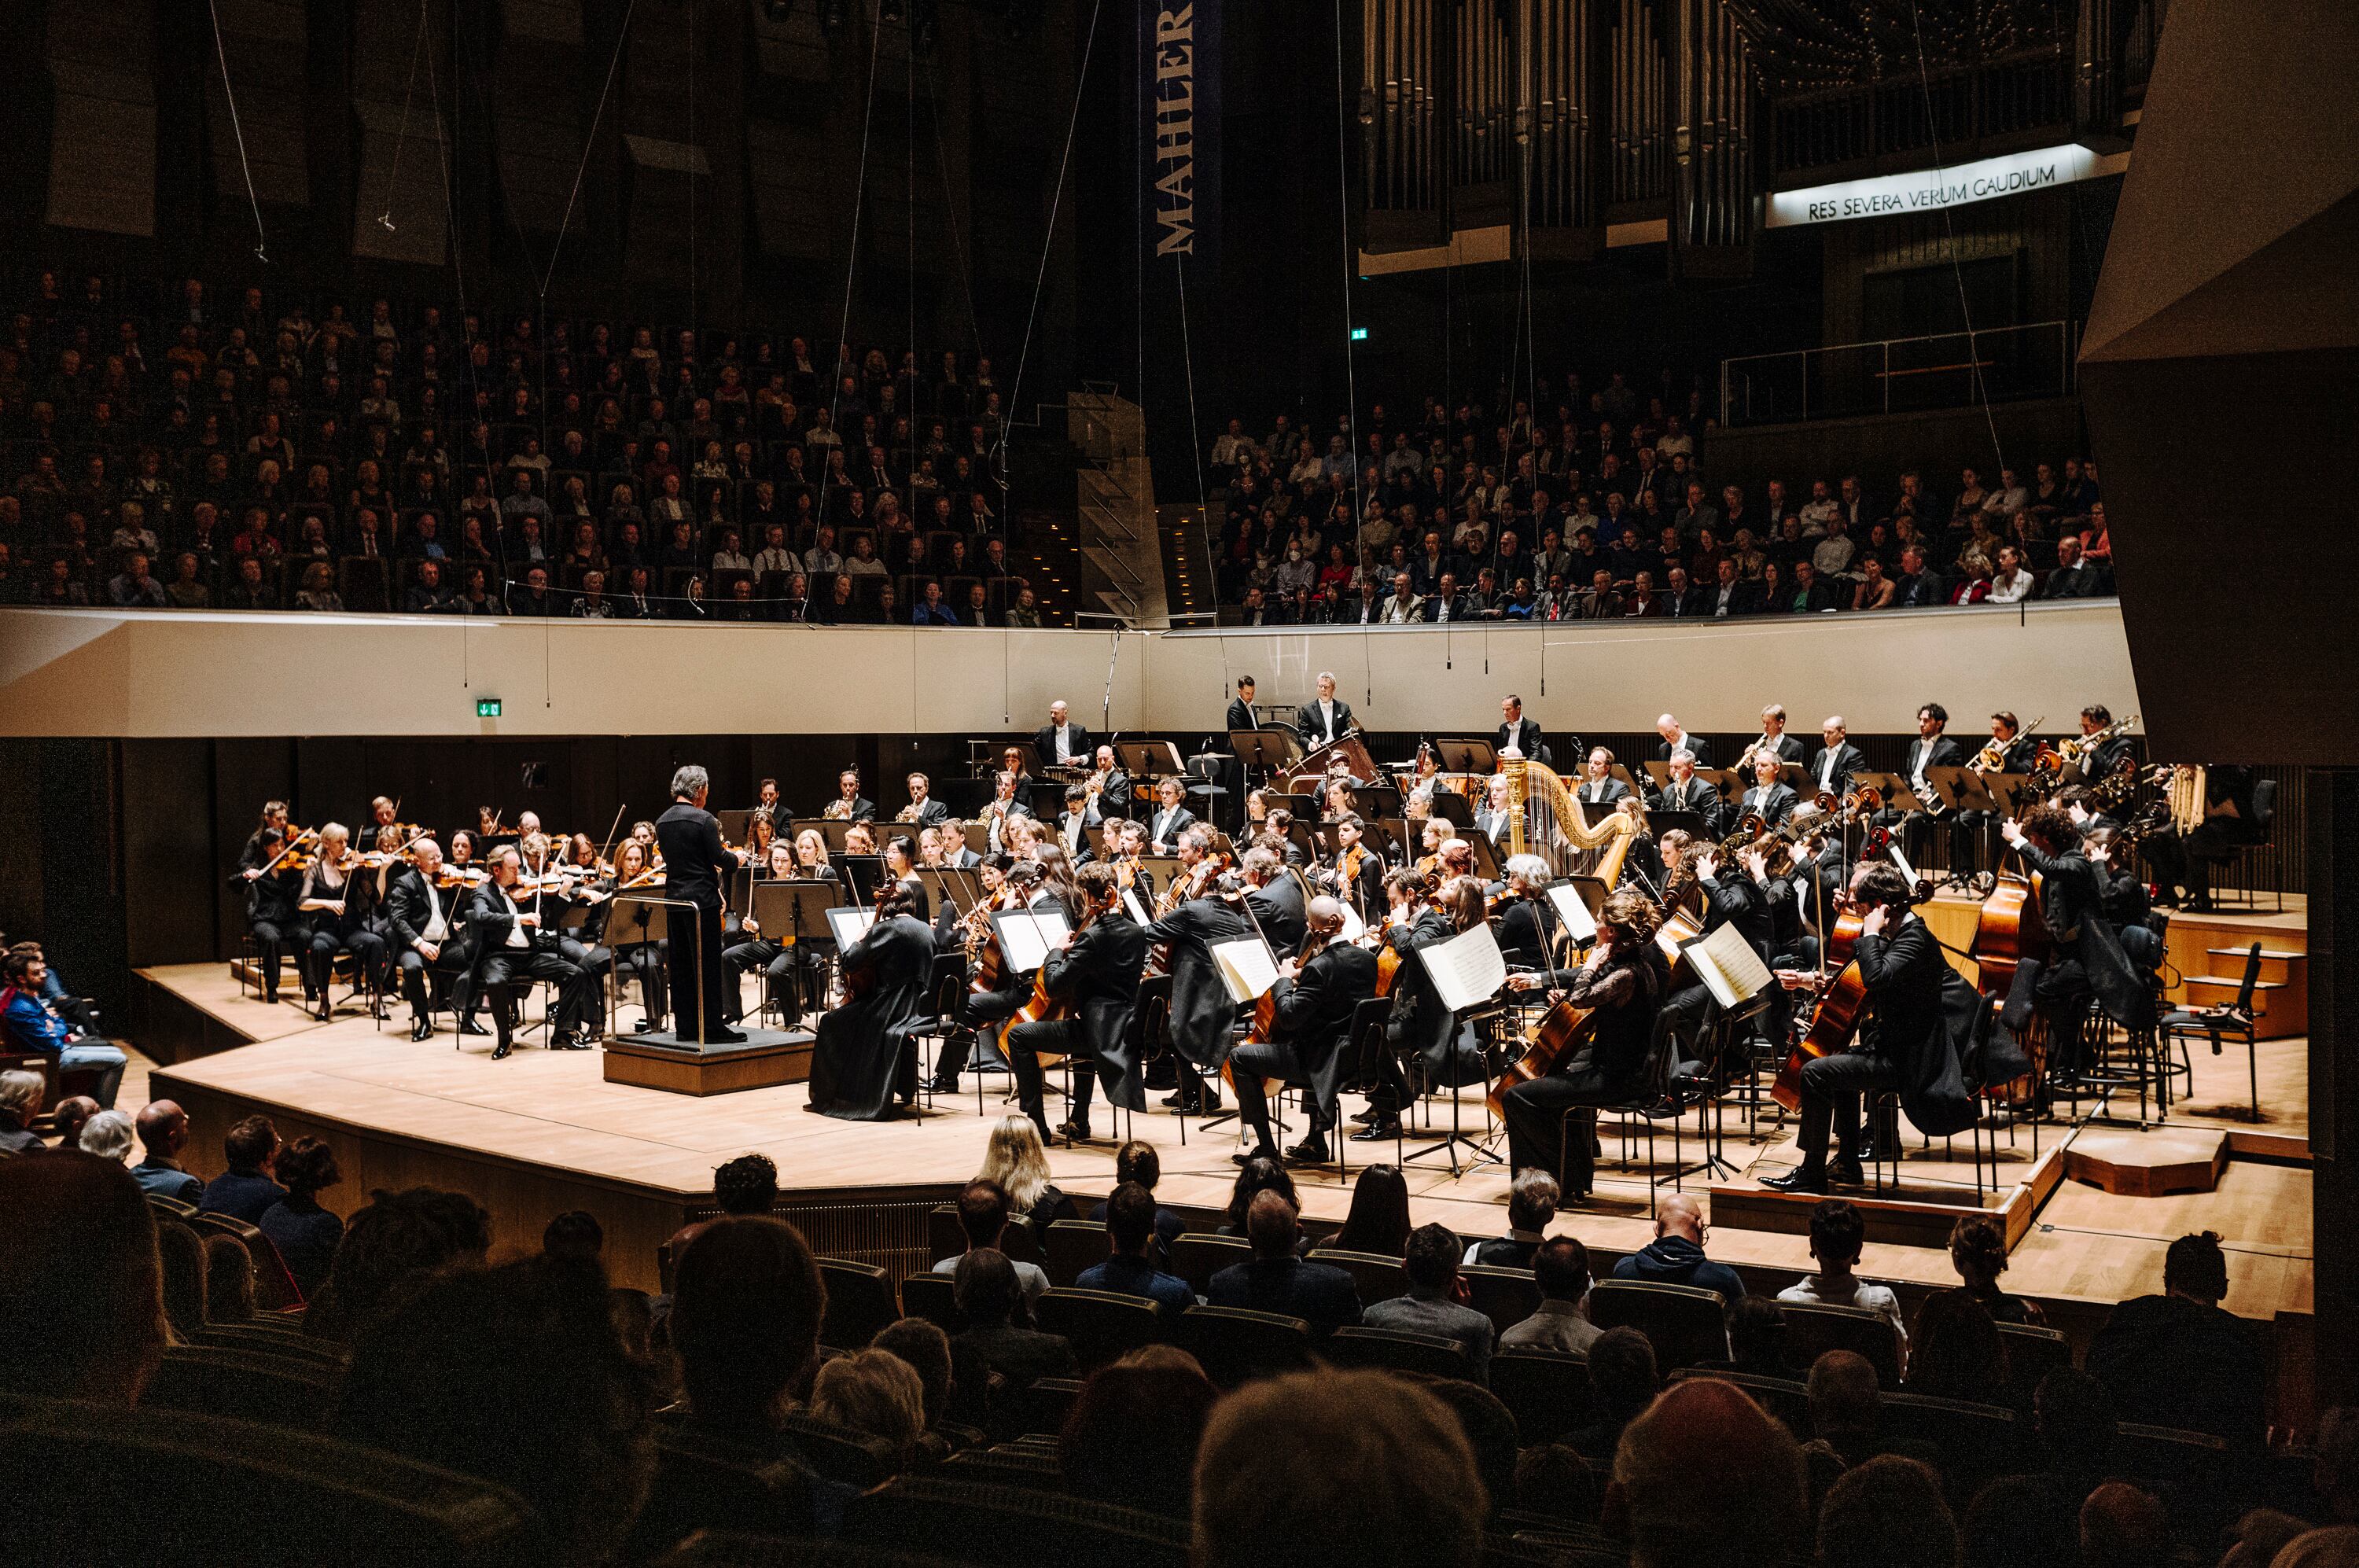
(694, 862)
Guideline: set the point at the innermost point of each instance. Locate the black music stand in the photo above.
(960, 888)
(1377, 801)
(1453, 808)
(1263, 754)
(630, 920)
(830, 830)
(734, 826)
(1724, 780)
(1688, 822)
(1468, 755)
(1148, 760)
(1963, 790)
(862, 874)
(1486, 857)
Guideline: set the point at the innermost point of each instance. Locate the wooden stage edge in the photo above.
(543, 1132)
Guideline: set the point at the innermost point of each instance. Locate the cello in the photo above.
(2010, 930)
(1836, 1016)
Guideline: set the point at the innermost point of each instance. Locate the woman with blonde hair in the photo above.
(1016, 1160)
(874, 1392)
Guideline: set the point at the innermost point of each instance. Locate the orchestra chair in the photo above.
(1649, 1100)
(859, 1301)
(272, 1390)
(1203, 786)
(704, 1481)
(1377, 1276)
(2032, 1353)
(928, 1296)
(1366, 1040)
(1073, 1246)
(1565, 1543)
(1812, 1330)
(1103, 1326)
(1685, 1324)
(1547, 1391)
(1401, 1350)
(1788, 1400)
(231, 1491)
(1198, 1254)
(1236, 1345)
(2224, 1026)
(841, 1453)
(1011, 1526)
(2264, 826)
(1977, 1442)
(1505, 1296)
(940, 1024)
(274, 1287)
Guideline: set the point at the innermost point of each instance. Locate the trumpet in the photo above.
(1993, 757)
(1744, 758)
(2079, 746)
(907, 813)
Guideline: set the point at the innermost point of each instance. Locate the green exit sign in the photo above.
(1359, 334)
(487, 707)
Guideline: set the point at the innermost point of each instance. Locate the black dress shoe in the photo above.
(1846, 1173)
(499, 1050)
(644, 1025)
(1801, 1178)
(569, 1040)
(1246, 1156)
(1073, 1132)
(271, 998)
(469, 1026)
(422, 1028)
(942, 1083)
(1384, 1131)
(1310, 1151)
(724, 1037)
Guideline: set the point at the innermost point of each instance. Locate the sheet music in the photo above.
(1467, 970)
(1026, 937)
(1248, 966)
(1565, 899)
(1131, 906)
(1728, 967)
(1355, 927)
(849, 924)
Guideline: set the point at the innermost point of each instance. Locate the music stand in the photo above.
(1629, 780)
(1661, 772)
(1162, 867)
(1453, 808)
(1148, 760)
(831, 831)
(1793, 775)
(1033, 765)
(1468, 755)
(1486, 857)
(1396, 831)
(862, 874)
(1724, 781)
(1298, 834)
(633, 918)
(1963, 790)
(956, 884)
(1688, 822)
(734, 826)
(1376, 800)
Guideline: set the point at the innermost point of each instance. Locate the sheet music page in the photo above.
(1355, 927)
(849, 924)
(1728, 966)
(1247, 967)
(1023, 943)
(1131, 906)
(1467, 970)
(1565, 899)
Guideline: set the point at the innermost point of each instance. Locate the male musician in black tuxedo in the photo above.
(1930, 749)
(1078, 822)
(854, 805)
(1676, 738)
(1169, 820)
(1834, 762)
(1522, 734)
(1096, 969)
(2085, 957)
(423, 921)
(2102, 760)
(1495, 815)
(1315, 1000)
(1060, 742)
(1324, 718)
(1598, 786)
(1773, 801)
(922, 808)
(1358, 866)
(2015, 752)
(1275, 899)
(688, 838)
(1241, 713)
(1202, 1008)
(271, 914)
(1773, 730)
(508, 946)
(1683, 792)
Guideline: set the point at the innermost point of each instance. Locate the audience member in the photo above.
(1560, 1322)
(1129, 1270)
(1746, 1515)
(164, 1133)
(1978, 1252)
(2177, 1359)
(399, 1240)
(575, 1235)
(1676, 1256)
(988, 1291)
(2074, 1416)
(305, 1234)
(20, 1102)
(1623, 1382)
(69, 1116)
(31, 1022)
(1838, 1237)
(229, 1280)
(82, 1306)
(246, 1190)
(2334, 1548)
(983, 1217)
(873, 1393)
(1377, 1220)
(106, 1135)
(1336, 1469)
(1132, 1436)
(745, 1185)
(1888, 1512)
(180, 1257)
(1531, 1208)
(1276, 1280)
(2017, 1522)
(1016, 1162)
(2259, 1536)
(1957, 1355)
(1430, 1305)
(1136, 1161)
(926, 1350)
(2123, 1525)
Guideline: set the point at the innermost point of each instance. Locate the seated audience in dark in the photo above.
(1130, 1270)
(246, 1191)
(1136, 1161)
(1956, 1353)
(1379, 1219)
(305, 1234)
(1561, 1269)
(1276, 1281)
(1531, 1209)
(229, 1280)
(396, 1240)
(2177, 1359)
(1623, 1382)
(988, 1291)
(1748, 1515)
(164, 1134)
(1430, 1305)
(1888, 1512)
(82, 1305)
(1676, 1256)
(1132, 1436)
(983, 1217)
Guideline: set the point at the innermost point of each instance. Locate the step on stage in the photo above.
(545, 1132)
(763, 1060)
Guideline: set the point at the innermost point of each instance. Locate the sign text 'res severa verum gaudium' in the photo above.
(1931, 189)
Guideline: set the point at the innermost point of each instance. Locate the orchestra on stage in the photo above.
(1285, 914)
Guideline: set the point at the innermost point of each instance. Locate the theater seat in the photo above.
(1401, 1350)
(737, 1548)
(1812, 1330)
(839, 1452)
(1012, 1527)
(1236, 1345)
(1685, 1325)
(1547, 1391)
(1103, 1326)
(274, 1390)
(1786, 1399)
(928, 1296)
(702, 1482)
(134, 1486)
(859, 1302)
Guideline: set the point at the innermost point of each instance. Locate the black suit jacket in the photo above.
(1202, 1009)
(1942, 753)
(1611, 790)
(1849, 759)
(1099, 975)
(409, 910)
(1775, 807)
(1312, 737)
(1240, 715)
(1082, 745)
(1324, 1296)
(694, 862)
(1527, 738)
(1697, 747)
(1182, 819)
(1279, 909)
(1696, 796)
(1315, 1010)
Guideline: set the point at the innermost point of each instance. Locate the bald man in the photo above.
(1060, 742)
(1676, 1254)
(82, 1305)
(1316, 998)
(1676, 738)
(1833, 764)
(163, 1133)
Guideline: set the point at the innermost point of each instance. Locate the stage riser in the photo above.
(1899, 1221)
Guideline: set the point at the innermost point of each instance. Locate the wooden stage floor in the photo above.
(542, 1132)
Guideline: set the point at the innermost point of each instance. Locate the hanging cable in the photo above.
(589, 144)
(950, 203)
(1343, 233)
(1948, 230)
(229, 96)
(1047, 241)
(401, 136)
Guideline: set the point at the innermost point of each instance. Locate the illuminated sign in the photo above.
(1931, 189)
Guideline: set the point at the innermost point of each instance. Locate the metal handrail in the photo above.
(1746, 379)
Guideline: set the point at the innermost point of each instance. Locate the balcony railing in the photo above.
(1896, 375)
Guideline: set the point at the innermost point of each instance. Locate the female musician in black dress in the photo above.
(334, 899)
(270, 912)
(1621, 983)
(1095, 975)
(863, 1055)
